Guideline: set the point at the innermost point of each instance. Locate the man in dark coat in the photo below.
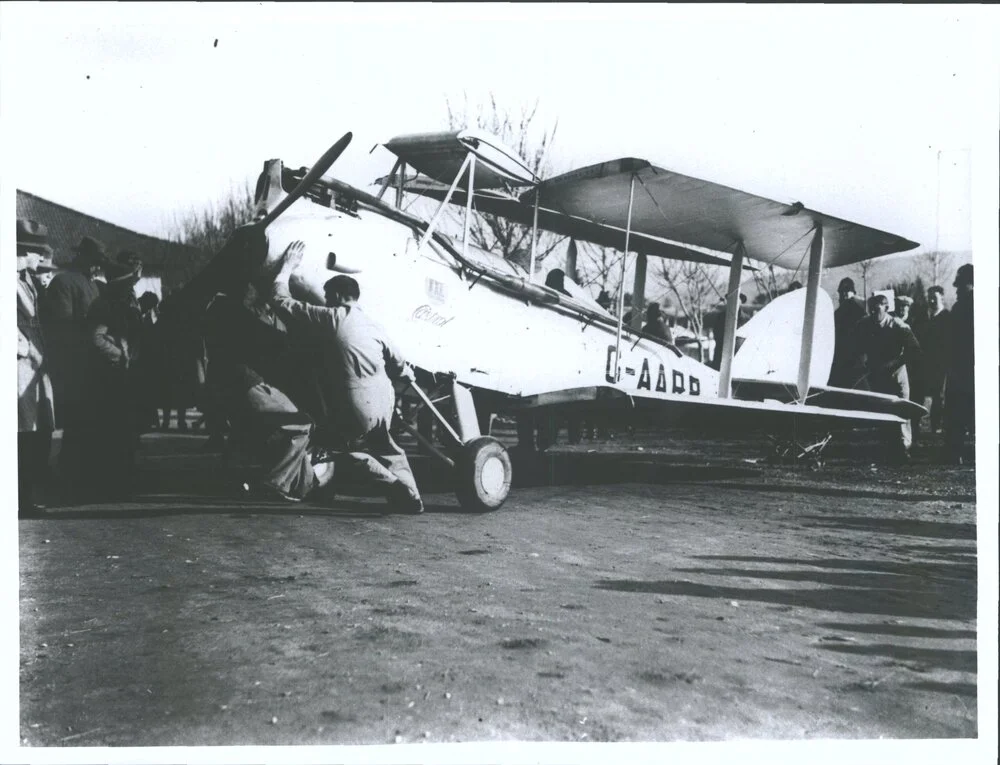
(123, 276)
(888, 346)
(935, 341)
(845, 372)
(108, 425)
(64, 309)
(960, 390)
(249, 370)
(719, 328)
(656, 325)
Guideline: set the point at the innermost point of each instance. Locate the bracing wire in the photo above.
(725, 296)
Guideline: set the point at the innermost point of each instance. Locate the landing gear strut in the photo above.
(481, 464)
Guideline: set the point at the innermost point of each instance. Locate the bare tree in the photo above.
(599, 268)
(490, 232)
(935, 266)
(209, 228)
(694, 289)
(770, 284)
(866, 267)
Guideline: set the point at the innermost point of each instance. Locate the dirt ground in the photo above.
(627, 591)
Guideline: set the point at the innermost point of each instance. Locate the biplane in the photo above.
(488, 336)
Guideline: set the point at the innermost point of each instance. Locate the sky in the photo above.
(138, 113)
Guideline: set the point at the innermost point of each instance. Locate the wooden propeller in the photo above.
(315, 173)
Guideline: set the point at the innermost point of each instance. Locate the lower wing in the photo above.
(703, 413)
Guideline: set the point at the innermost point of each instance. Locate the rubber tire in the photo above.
(469, 465)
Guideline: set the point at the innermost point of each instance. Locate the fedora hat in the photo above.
(90, 252)
(128, 258)
(33, 236)
(963, 275)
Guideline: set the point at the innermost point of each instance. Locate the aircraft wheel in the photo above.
(483, 474)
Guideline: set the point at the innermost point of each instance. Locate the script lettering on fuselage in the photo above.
(428, 314)
(677, 379)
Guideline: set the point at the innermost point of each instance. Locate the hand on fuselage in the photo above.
(292, 258)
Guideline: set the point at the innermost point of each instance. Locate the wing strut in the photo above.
(399, 186)
(534, 239)
(621, 282)
(389, 178)
(809, 320)
(444, 203)
(470, 189)
(638, 290)
(729, 329)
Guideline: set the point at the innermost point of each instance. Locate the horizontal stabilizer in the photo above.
(828, 397)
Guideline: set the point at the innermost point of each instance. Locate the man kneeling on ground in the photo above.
(246, 347)
(361, 363)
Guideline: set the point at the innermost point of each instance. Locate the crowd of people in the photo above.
(307, 389)
(83, 337)
(929, 360)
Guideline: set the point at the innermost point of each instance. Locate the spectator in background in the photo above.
(904, 304)
(556, 279)
(123, 270)
(960, 388)
(935, 339)
(148, 303)
(35, 409)
(719, 328)
(604, 300)
(888, 347)
(796, 285)
(122, 277)
(108, 426)
(845, 372)
(64, 309)
(45, 273)
(914, 370)
(656, 325)
(147, 368)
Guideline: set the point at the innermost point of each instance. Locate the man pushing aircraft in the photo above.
(361, 363)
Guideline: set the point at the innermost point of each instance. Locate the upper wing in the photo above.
(696, 212)
(440, 156)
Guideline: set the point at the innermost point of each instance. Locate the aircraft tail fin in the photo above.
(772, 341)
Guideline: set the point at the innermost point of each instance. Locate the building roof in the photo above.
(173, 262)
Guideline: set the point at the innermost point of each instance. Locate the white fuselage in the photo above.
(443, 320)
